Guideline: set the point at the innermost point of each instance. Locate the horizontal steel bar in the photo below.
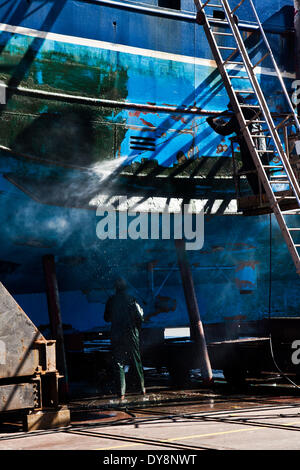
(273, 166)
(218, 33)
(279, 176)
(261, 135)
(211, 5)
(234, 62)
(254, 106)
(85, 100)
(239, 77)
(228, 48)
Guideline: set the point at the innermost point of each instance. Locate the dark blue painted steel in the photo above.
(234, 258)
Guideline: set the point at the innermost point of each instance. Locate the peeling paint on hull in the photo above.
(74, 48)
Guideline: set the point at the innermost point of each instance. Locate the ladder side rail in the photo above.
(246, 132)
(262, 102)
(216, 54)
(275, 65)
(229, 88)
(238, 111)
(248, 65)
(199, 5)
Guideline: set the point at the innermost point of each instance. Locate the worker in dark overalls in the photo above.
(126, 317)
(231, 125)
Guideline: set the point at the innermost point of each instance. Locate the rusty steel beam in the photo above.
(55, 320)
(197, 332)
(90, 101)
(18, 396)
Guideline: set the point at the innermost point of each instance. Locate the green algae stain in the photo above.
(67, 68)
(52, 130)
(67, 134)
(114, 85)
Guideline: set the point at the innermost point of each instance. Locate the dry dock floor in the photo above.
(263, 417)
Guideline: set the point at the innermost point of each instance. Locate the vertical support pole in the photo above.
(197, 332)
(55, 320)
(236, 177)
(286, 141)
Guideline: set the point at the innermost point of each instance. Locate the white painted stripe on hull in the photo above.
(124, 49)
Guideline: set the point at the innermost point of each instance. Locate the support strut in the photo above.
(55, 320)
(197, 332)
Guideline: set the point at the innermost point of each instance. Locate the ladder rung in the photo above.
(297, 246)
(265, 151)
(279, 182)
(273, 166)
(239, 76)
(261, 135)
(228, 48)
(254, 106)
(217, 33)
(291, 229)
(290, 213)
(244, 91)
(254, 122)
(207, 4)
(234, 62)
(279, 176)
(282, 198)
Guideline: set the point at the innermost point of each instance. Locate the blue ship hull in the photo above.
(99, 88)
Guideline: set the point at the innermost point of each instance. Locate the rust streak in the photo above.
(246, 264)
(147, 123)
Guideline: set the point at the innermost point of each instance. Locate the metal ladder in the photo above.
(263, 116)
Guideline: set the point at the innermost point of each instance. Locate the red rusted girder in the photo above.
(197, 332)
(55, 320)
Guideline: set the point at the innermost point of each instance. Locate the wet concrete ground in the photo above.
(264, 415)
(208, 421)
